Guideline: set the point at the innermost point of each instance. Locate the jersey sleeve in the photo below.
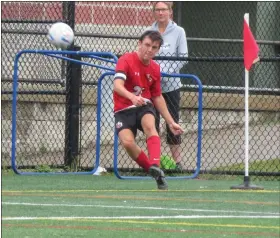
(121, 69)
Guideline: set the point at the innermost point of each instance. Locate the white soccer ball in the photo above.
(61, 35)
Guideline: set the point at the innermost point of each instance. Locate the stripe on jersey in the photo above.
(120, 75)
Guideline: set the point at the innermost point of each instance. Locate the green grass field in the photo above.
(104, 206)
(272, 165)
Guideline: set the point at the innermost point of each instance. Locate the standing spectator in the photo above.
(175, 44)
(136, 92)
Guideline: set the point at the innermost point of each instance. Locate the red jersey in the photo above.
(140, 79)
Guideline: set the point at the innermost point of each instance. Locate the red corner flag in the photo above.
(250, 47)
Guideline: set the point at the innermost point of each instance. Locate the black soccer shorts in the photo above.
(131, 118)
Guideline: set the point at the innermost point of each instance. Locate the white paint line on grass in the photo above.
(141, 190)
(134, 207)
(135, 217)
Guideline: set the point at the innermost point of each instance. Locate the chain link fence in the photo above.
(214, 35)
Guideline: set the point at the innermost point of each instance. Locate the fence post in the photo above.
(72, 116)
(73, 82)
(68, 14)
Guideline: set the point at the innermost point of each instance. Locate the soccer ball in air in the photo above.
(61, 35)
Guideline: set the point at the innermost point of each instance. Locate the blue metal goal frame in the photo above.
(199, 137)
(110, 71)
(57, 54)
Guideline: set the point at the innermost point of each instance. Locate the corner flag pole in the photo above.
(251, 51)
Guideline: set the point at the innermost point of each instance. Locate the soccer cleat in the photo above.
(158, 175)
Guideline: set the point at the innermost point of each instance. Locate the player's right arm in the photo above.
(119, 83)
(120, 89)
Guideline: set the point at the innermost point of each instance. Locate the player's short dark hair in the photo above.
(153, 35)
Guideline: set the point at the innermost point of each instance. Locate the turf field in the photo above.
(104, 206)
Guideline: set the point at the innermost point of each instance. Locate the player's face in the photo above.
(148, 49)
(162, 13)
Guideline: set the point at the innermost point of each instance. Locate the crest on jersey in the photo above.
(149, 77)
(119, 124)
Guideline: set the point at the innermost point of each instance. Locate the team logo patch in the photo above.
(119, 125)
(149, 77)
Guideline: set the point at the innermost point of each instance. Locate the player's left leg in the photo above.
(146, 123)
(147, 119)
(153, 140)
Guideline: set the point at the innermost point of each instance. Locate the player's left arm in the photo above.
(160, 105)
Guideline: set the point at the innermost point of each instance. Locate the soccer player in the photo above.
(137, 92)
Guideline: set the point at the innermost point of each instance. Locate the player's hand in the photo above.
(176, 129)
(138, 101)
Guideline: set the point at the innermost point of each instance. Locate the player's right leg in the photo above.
(126, 128)
(127, 140)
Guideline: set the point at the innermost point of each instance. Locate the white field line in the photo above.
(134, 217)
(133, 207)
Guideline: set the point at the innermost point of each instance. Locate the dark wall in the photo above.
(224, 20)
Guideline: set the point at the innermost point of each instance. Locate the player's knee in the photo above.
(150, 130)
(128, 143)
